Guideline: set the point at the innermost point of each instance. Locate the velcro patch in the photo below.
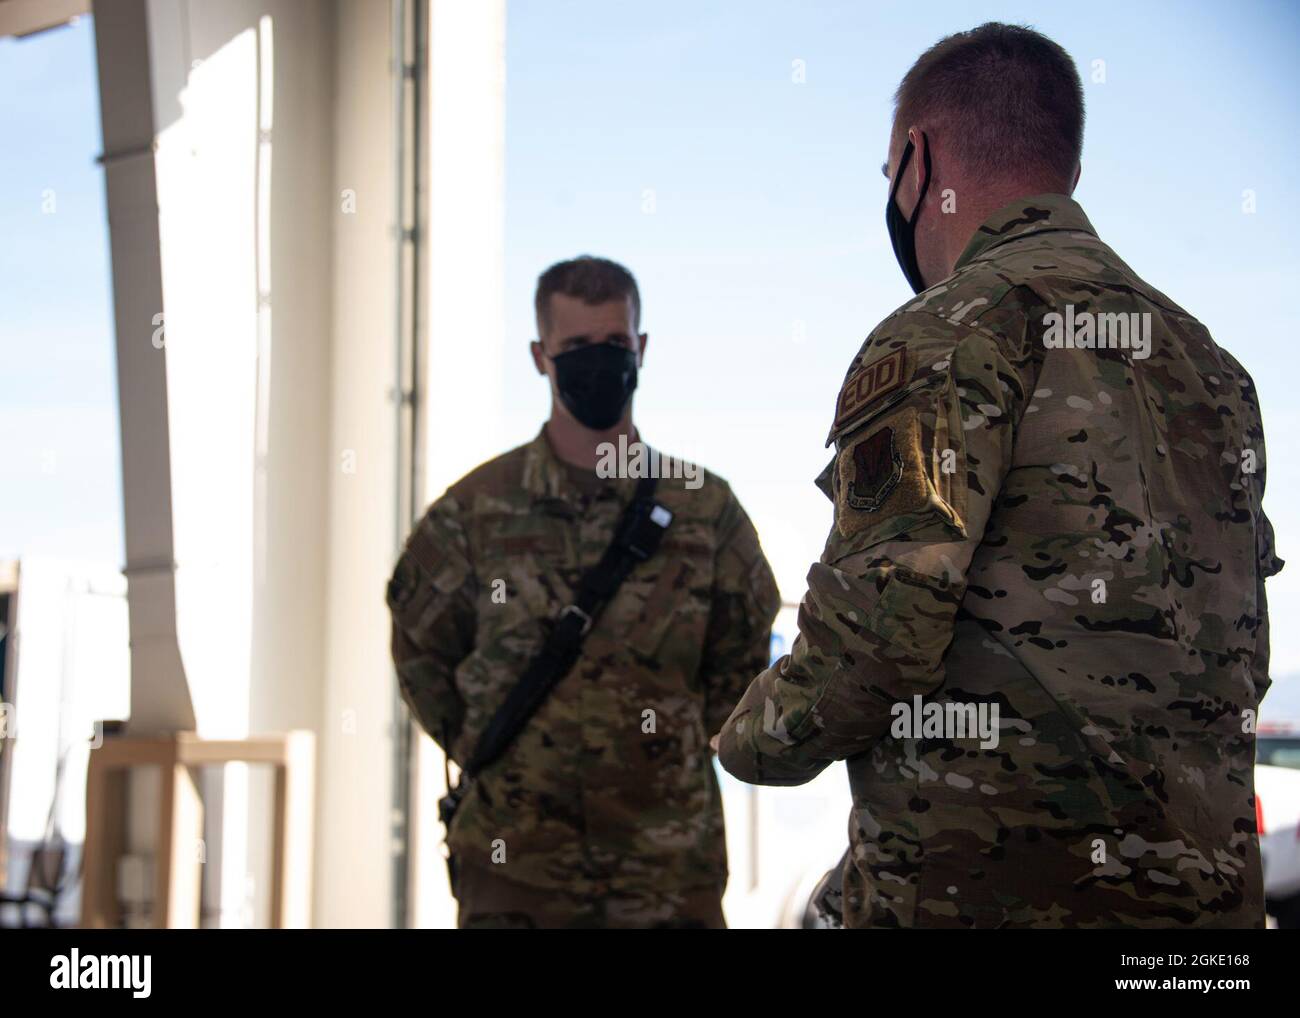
(868, 384)
(872, 470)
(881, 475)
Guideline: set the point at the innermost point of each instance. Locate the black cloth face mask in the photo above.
(902, 232)
(595, 382)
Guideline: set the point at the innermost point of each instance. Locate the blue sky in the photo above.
(765, 262)
(58, 389)
(671, 137)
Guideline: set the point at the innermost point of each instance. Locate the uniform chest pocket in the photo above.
(518, 589)
(669, 601)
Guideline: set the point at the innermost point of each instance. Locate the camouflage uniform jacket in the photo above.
(611, 785)
(1072, 534)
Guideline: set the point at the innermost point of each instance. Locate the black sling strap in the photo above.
(638, 535)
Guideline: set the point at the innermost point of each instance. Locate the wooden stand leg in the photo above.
(180, 834)
(104, 844)
(292, 834)
(179, 853)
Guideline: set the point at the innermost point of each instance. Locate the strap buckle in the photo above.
(573, 609)
(644, 528)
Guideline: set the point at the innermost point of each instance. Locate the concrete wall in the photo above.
(279, 358)
(275, 167)
(464, 381)
(243, 94)
(355, 823)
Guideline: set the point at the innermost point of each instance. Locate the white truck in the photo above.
(1277, 797)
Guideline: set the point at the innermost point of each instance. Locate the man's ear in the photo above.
(1078, 172)
(920, 146)
(642, 340)
(539, 356)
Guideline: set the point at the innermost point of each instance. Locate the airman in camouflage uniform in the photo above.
(1069, 533)
(605, 811)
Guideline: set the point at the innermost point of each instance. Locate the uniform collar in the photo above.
(543, 472)
(1025, 217)
(547, 477)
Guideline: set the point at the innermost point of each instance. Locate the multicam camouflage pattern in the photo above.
(488, 901)
(609, 792)
(1092, 561)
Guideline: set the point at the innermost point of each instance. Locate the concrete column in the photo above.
(160, 696)
(251, 162)
(353, 843)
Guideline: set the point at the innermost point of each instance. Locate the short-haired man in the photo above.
(603, 810)
(1038, 633)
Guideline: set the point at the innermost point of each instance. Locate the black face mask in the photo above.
(595, 382)
(902, 232)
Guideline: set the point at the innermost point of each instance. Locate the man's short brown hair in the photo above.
(1006, 99)
(592, 280)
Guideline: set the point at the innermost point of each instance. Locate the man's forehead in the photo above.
(615, 312)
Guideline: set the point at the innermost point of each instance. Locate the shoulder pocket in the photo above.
(900, 470)
(427, 568)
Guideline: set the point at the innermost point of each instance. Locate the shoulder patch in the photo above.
(881, 475)
(868, 384)
(871, 469)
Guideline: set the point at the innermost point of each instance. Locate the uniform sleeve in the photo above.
(431, 598)
(1269, 565)
(745, 601)
(922, 448)
(1267, 562)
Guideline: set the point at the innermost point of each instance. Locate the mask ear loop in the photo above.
(902, 165)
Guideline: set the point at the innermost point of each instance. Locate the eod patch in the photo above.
(868, 384)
